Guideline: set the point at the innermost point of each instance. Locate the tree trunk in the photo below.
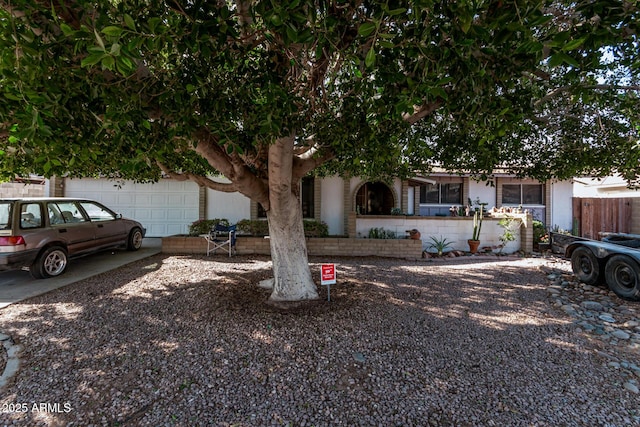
(292, 276)
(291, 273)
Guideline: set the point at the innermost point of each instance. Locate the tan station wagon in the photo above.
(43, 233)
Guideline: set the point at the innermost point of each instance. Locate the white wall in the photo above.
(231, 206)
(561, 205)
(486, 193)
(455, 230)
(610, 186)
(332, 204)
(411, 200)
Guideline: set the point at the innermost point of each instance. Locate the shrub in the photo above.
(510, 227)
(539, 231)
(381, 233)
(260, 227)
(256, 227)
(313, 228)
(204, 226)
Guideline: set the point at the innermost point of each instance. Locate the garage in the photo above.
(164, 208)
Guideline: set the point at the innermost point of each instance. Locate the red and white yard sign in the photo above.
(328, 274)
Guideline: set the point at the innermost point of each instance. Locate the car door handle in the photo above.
(100, 226)
(62, 230)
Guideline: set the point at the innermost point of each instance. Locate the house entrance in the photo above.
(374, 198)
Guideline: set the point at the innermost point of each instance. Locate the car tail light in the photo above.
(12, 241)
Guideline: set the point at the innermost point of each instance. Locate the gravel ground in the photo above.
(189, 341)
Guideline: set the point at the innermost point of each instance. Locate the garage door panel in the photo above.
(173, 230)
(164, 208)
(141, 215)
(175, 215)
(125, 199)
(158, 199)
(108, 199)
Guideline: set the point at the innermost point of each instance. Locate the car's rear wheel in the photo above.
(623, 277)
(585, 266)
(50, 263)
(134, 242)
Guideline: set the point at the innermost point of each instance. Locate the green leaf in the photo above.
(465, 23)
(115, 49)
(112, 31)
(559, 58)
(108, 62)
(99, 39)
(276, 20)
(66, 29)
(370, 59)
(153, 23)
(438, 92)
(292, 34)
(128, 20)
(366, 29)
(92, 59)
(574, 44)
(444, 81)
(397, 11)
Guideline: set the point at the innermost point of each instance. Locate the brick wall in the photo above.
(18, 189)
(333, 246)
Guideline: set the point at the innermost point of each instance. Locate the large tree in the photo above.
(266, 92)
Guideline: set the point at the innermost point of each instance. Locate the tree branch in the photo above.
(422, 111)
(563, 89)
(304, 164)
(198, 179)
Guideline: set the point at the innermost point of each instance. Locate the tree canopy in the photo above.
(373, 88)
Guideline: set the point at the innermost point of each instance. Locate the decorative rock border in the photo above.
(12, 364)
(601, 315)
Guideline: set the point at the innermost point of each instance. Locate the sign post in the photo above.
(328, 277)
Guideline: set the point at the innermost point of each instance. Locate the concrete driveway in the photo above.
(19, 285)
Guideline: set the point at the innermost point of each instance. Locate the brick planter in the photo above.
(316, 246)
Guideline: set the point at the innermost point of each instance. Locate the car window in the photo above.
(97, 212)
(64, 213)
(5, 215)
(30, 215)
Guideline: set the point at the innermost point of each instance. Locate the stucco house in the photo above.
(350, 207)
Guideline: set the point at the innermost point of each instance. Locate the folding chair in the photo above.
(220, 237)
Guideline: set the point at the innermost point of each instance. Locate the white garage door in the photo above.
(165, 208)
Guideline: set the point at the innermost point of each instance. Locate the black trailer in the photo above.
(614, 261)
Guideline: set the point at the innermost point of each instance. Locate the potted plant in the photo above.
(474, 242)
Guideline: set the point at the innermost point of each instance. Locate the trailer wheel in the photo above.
(585, 266)
(623, 277)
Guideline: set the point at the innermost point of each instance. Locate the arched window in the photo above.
(374, 198)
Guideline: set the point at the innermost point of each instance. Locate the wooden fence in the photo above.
(591, 216)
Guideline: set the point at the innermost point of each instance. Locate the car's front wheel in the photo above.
(134, 242)
(50, 263)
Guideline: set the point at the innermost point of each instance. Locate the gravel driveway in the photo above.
(189, 341)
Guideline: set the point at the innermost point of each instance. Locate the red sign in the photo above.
(327, 274)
